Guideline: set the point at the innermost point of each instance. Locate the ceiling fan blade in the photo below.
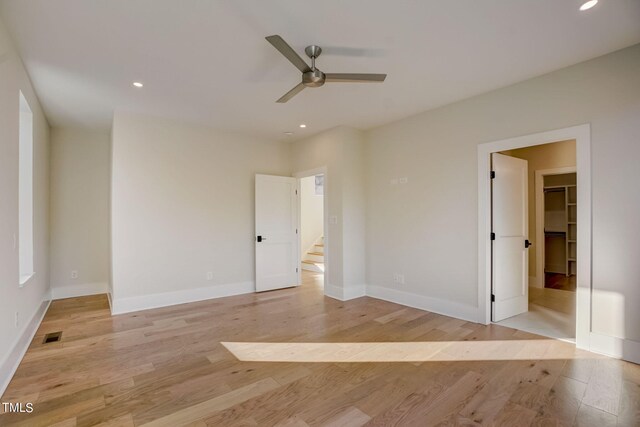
(293, 92)
(354, 78)
(288, 52)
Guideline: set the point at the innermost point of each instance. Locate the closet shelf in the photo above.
(560, 206)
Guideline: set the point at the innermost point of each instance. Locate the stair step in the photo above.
(315, 253)
(304, 261)
(320, 245)
(316, 267)
(313, 257)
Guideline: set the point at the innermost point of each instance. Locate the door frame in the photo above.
(582, 136)
(322, 170)
(539, 189)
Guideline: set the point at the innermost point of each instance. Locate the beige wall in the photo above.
(182, 199)
(80, 180)
(311, 214)
(548, 156)
(341, 151)
(26, 301)
(428, 227)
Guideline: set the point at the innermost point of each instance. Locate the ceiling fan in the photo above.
(311, 76)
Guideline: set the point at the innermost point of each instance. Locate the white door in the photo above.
(276, 232)
(510, 261)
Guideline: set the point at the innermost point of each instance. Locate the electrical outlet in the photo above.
(209, 275)
(74, 274)
(403, 180)
(17, 319)
(398, 278)
(333, 219)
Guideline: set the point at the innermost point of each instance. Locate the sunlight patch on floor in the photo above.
(431, 351)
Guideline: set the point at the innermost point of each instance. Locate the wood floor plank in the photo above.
(513, 414)
(605, 385)
(168, 366)
(201, 410)
(589, 416)
(350, 417)
(629, 410)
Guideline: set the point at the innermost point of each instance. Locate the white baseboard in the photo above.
(354, 291)
(12, 361)
(80, 290)
(333, 291)
(615, 347)
(146, 302)
(435, 305)
(345, 294)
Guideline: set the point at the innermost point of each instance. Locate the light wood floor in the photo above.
(552, 313)
(351, 363)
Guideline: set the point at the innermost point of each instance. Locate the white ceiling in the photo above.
(207, 61)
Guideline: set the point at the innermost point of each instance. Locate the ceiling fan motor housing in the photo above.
(313, 78)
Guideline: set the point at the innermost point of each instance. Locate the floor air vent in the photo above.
(52, 337)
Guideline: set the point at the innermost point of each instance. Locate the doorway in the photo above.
(581, 135)
(313, 254)
(549, 281)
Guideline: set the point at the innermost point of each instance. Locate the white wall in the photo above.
(80, 180)
(311, 214)
(182, 200)
(427, 228)
(341, 151)
(30, 300)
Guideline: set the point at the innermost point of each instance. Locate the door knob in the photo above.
(260, 239)
(527, 244)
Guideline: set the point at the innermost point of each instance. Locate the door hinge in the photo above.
(492, 174)
(296, 192)
(493, 298)
(296, 231)
(296, 269)
(493, 236)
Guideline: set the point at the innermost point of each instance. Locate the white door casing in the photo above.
(510, 260)
(276, 242)
(585, 338)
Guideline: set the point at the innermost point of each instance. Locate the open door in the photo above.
(276, 240)
(510, 222)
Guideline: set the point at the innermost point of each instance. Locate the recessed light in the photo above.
(137, 84)
(288, 133)
(588, 5)
(303, 125)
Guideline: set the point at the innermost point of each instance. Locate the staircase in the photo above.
(314, 259)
